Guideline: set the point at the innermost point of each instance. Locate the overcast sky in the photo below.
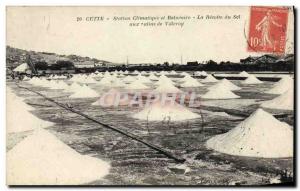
(56, 30)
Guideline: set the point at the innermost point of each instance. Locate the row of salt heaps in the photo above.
(285, 101)
(41, 158)
(176, 112)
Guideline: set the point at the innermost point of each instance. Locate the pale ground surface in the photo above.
(133, 163)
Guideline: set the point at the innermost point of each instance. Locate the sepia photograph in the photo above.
(150, 96)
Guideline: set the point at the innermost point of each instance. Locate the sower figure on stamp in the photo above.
(264, 26)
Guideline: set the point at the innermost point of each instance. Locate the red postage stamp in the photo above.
(267, 31)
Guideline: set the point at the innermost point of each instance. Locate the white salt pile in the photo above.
(203, 73)
(152, 77)
(143, 79)
(244, 74)
(135, 72)
(282, 86)
(129, 79)
(164, 79)
(210, 78)
(173, 72)
(167, 88)
(189, 81)
(84, 92)
(219, 92)
(282, 102)
(137, 85)
(159, 111)
(59, 85)
(19, 118)
(117, 82)
(73, 87)
(106, 80)
(260, 135)
(225, 83)
(42, 159)
(88, 80)
(252, 80)
(185, 78)
(184, 73)
(76, 78)
(26, 78)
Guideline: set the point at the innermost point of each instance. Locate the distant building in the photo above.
(261, 59)
(85, 64)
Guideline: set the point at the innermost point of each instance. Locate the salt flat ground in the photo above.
(135, 164)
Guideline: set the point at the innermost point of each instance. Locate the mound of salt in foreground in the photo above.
(282, 86)
(282, 102)
(252, 80)
(158, 111)
(42, 159)
(260, 135)
(19, 118)
(84, 92)
(210, 78)
(219, 92)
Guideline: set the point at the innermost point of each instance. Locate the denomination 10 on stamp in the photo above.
(267, 31)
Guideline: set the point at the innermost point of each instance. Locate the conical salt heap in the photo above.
(42, 159)
(166, 87)
(163, 79)
(143, 79)
(282, 102)
(244, 74)
(84, 92)
(219, 92)
(173, 72)
(59, 85)
(89, 80)
(112, 98)
(184, 73)
(76, 78)
(106, 80)
(282, 86)
(135, 72)
(209, 78)
(137, 85)
(159, 111)
(117, 82)
(19, 118)
(152, 77)
(189, 81)
(203, 73)
(225, 83)
(73, 87)
(252, 80)
(260, 135)
(129, 79)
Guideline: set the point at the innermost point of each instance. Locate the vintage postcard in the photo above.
(150, 96)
